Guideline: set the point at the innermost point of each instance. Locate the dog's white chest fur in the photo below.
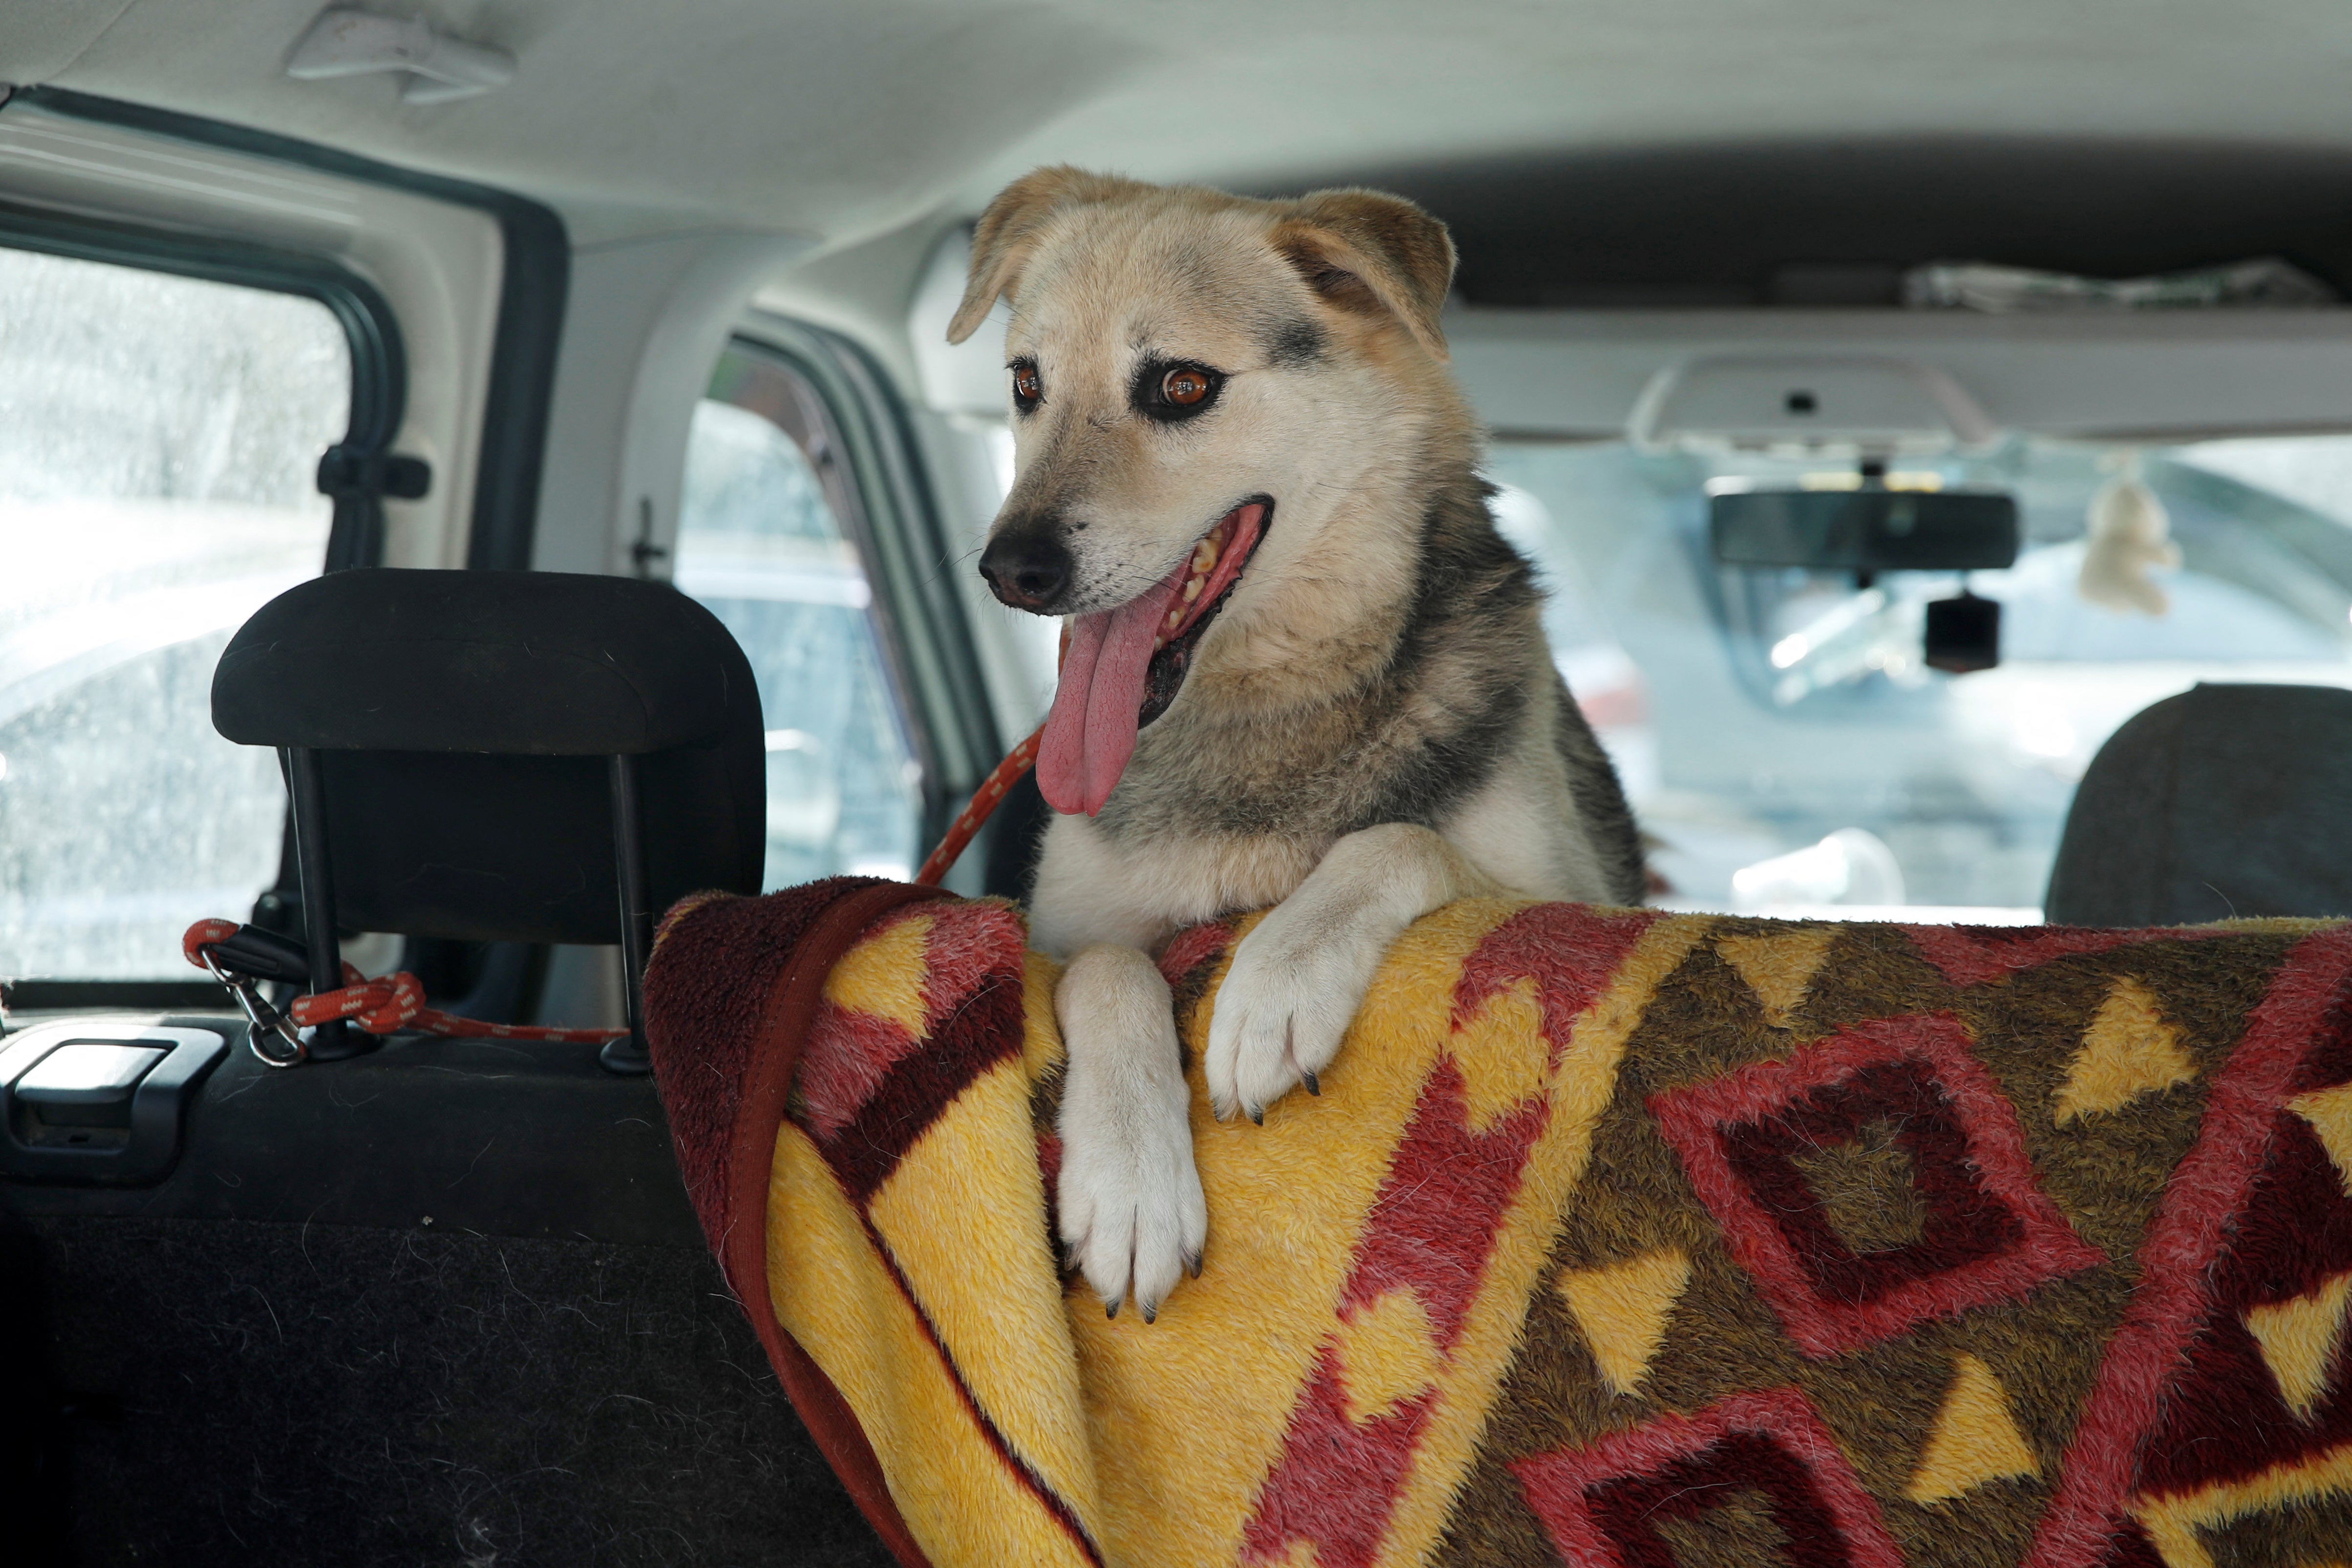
(1092, 890)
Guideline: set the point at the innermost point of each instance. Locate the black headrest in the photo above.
(545, 664)
(464, 721)
(2225, 800)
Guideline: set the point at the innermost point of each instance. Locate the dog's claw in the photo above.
(1192, 1264)
(1111, 1309)
(1285, 1002)
(1257, 1114)
(1150, 1314)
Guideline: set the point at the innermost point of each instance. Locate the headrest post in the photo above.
(628, 1054)
(306, 785)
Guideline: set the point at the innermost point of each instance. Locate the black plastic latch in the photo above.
(100, 1099)
(346, 472)
(263, 955)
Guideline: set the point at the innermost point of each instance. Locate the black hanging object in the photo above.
(1963, 634)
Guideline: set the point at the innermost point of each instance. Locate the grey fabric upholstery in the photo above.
(2223, 801)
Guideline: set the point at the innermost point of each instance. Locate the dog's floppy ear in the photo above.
(1362, 251)
(1008, 232)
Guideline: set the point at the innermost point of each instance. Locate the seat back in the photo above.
(2224, 801)
(516, 757)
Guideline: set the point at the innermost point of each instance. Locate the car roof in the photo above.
(846, 119)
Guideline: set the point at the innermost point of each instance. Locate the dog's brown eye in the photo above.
(1183, 387)
(1025, 384)
(1170, 393)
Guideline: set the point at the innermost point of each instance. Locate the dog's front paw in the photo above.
(1132, 1213)
(1294, 987)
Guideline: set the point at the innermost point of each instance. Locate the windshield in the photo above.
(1783, 741)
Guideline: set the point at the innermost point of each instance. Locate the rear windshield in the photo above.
(1783, 740)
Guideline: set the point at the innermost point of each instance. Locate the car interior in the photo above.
(473, 474)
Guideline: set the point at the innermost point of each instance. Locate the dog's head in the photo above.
(1197, 383)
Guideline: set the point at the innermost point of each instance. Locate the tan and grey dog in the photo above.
(1302, 669)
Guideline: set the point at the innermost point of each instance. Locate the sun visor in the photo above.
(1827, 403)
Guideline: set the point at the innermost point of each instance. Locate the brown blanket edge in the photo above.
(732, 1196)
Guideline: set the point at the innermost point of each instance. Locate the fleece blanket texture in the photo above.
(1614, 1238)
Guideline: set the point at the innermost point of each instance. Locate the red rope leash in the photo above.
(388, 1005)
(989, 796)
(396, 1002)
(984, 801)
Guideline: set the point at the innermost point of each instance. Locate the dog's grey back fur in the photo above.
(1600, 798)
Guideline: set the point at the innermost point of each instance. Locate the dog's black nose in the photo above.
(1026, 571)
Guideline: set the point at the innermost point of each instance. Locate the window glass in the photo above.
(763, 542)
(1780, 735)
(159, 442)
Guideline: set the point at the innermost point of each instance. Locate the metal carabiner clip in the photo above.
(264, 1019)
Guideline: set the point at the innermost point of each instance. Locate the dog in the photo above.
(1302, 669)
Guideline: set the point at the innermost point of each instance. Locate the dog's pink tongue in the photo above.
(1090, 733)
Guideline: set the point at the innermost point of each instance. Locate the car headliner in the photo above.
(844, 119)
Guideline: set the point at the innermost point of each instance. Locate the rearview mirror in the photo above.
(1871, 529)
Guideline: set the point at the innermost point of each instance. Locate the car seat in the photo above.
(2224, 801)
(516, 757)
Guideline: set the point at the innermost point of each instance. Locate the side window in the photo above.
(767, 541)
(159, 437)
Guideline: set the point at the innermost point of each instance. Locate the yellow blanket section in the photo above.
(1016, 1425)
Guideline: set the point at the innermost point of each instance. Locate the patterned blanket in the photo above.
(1613, 1238)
